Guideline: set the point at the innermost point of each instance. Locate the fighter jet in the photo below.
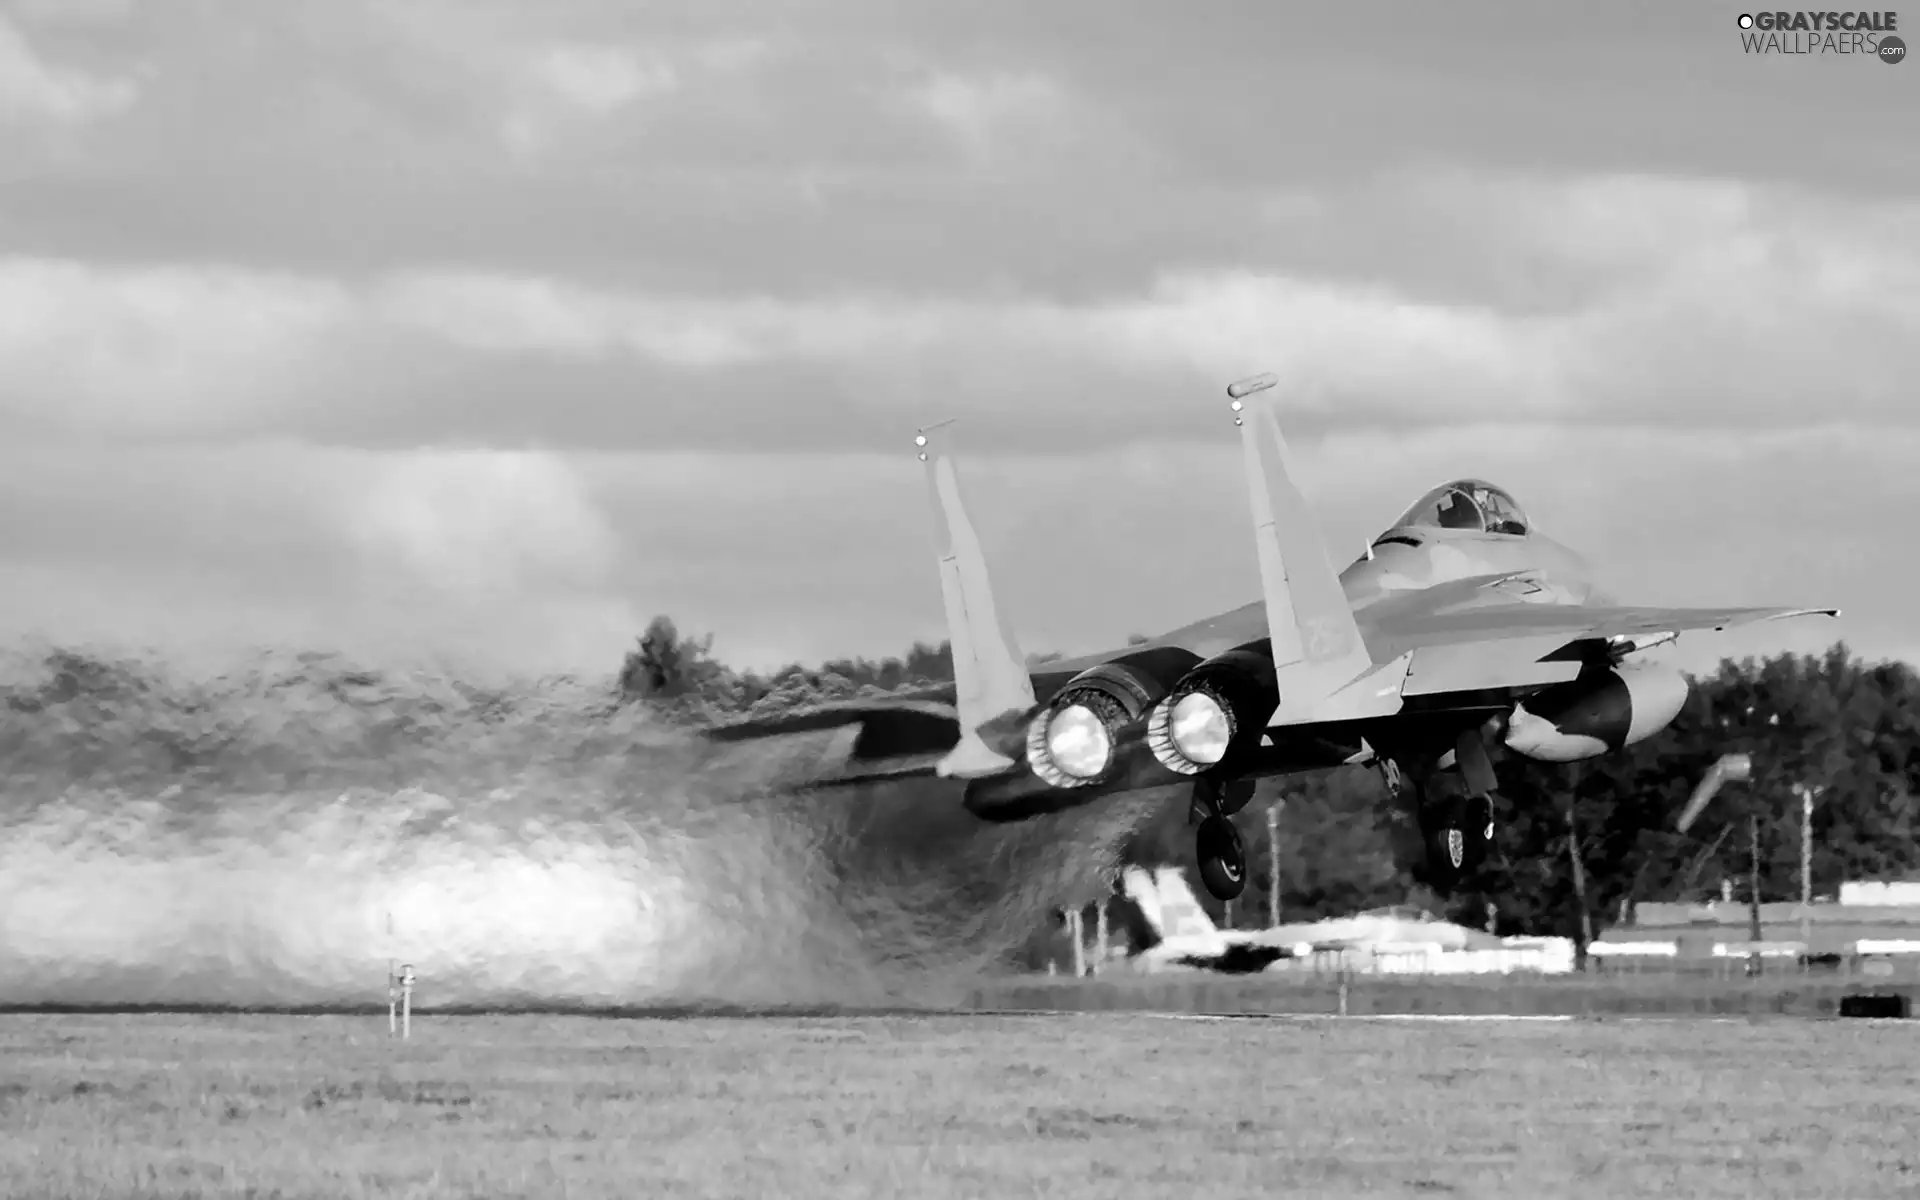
(1180, 934)
(1463, 629)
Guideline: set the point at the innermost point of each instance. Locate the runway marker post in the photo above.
(400, 1001)
(399, 990)
(1099, 936)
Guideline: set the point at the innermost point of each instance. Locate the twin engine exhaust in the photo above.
(1214, 713)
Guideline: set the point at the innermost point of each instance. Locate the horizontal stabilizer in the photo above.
(867, 739)
(892, 726)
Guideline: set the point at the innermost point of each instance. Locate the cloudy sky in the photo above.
(493, 329)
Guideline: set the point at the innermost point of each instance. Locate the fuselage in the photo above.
(1405, 560)
(1413, 556)
(1463, 546)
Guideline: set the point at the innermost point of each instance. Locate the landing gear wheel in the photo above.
(1458, 843)
(1223, 862)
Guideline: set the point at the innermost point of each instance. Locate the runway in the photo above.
(425, 1016)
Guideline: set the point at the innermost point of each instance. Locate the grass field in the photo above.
(1094, 1106)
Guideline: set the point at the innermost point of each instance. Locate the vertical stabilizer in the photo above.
(1137, 883)
(1320, 659)
(1181, 915)
(989, 673)
(1166, 900)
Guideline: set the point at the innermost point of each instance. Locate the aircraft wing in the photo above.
(885, 737)
(1409, 629)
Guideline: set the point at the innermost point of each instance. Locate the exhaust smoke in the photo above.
(271, 837)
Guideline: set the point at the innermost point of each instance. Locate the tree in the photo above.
(664, 665)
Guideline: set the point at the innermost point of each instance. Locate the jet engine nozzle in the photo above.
(1605, 710)
(1216, 712)
(1074, 741)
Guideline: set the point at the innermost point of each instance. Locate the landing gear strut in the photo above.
(1455, 808)
(1216, 843)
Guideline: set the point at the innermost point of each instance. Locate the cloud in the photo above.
(601, 79)
(46, 12)
(160, 350)
(1677, 303)
(534, 562)
(34, 89)
(480, 521)
(987, 111)
(502, 559)
(572, 82)
(510, 325)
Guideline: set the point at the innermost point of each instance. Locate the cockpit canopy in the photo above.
(1466, 504)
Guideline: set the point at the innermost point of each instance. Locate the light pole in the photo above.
(1807, 795)
(1273, 863)
(1754, 931)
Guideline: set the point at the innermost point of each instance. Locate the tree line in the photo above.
(1829, 721)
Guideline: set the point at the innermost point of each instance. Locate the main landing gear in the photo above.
(1459, 837)
(1455, 810)
(1216, 843)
